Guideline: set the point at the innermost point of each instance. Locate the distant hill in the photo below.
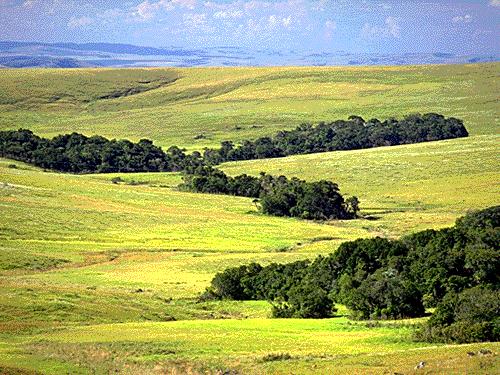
(72, 55)
(40, 62)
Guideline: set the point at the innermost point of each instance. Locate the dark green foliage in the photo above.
(469, 316)
(455, 269)
(276, 357)
(304, 300)
(456, 258)
(385, 294)
(356, 133)
(278, 196)
(230, 284)
(76, 153)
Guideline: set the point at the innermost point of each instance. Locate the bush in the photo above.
(470, 316)
(355, 133)
(276, 357)
(305, 301)
(279, 196)
(229, 284)
(76, 153)
(386, 295)
(455, 269)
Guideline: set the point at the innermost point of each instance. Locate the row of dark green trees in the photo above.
(275, 195)
(455, 270)
(278, 196)
(76, 153)
(355, 133)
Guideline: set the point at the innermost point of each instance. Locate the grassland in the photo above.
(178, 105)
(101, 277)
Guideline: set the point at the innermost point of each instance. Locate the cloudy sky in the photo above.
(387, 26)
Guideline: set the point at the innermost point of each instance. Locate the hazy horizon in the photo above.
(367, 27)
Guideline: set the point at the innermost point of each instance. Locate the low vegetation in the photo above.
(452, 269)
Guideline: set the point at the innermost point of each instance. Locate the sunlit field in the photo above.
(100, 277)
(200, 107)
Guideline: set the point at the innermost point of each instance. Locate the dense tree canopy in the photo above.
(455, 270)
(76, 153)
(355, 133)
(278, 196)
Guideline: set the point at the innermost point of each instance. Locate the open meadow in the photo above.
(98, 277)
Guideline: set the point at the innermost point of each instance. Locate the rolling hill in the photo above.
(104, 277)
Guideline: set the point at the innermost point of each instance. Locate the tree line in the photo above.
(355, 133)
(278, 196)
(76, 153)
(454, 270)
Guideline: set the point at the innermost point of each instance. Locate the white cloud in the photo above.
(49, 6)
(190, 4)
(195, 22)
(29, 3)
(275, 21)
(75, 23)
(330, 27)
(145, 10)
(228, 14)
(254, 4)
(148, 9)
(495, 3)
(374, 6)
(391, 29)
(462, 19)
(286, 21)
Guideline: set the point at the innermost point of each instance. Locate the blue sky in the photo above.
(387, 26)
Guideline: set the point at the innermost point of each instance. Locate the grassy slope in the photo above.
(239, 103)
(125, 255)
(407, 188)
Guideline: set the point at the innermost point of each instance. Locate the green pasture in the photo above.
(259, 346)
(404, 188)
(200, 107)
(99, 276)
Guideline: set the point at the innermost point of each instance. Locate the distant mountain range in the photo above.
(73, 55)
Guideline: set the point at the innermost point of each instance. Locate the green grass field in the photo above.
(238, 103)
(101, 277)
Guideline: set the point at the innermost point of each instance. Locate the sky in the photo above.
(355, 26)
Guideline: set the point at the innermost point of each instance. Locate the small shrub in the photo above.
(271, 357)
(469, 316)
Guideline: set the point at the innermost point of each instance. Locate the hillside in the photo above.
(195, 108)
(103, 277)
